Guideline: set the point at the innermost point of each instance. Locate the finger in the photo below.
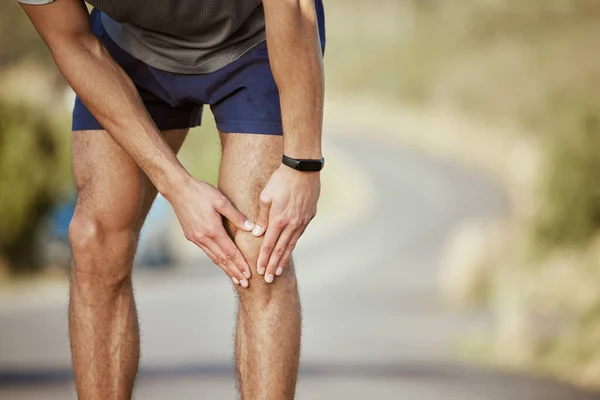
(228, 210)
(215, 260)
(288, 251)
(223, 260)
(267, 247)
(234, 258)
(263, 216)
(278, 252)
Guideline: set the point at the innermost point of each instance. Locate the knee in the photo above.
(249, 246)
(260, 292)
(102, 255)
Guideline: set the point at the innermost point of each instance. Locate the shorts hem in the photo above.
(255, 127)
(86, 124)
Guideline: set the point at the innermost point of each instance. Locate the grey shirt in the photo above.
(182, 36)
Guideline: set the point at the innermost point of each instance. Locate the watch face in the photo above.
(304, 165)
(311, 165)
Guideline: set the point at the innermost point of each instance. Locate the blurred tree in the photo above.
(33, 147)
(33, 173)
(569, 213)
(18, 39)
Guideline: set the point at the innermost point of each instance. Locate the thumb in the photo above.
(226, 209)
(263, 216)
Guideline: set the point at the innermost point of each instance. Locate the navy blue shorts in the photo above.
(243, 95)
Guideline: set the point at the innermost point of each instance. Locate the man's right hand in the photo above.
(199, 207)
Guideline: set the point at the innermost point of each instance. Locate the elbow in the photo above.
(91, 45)
(68, 47)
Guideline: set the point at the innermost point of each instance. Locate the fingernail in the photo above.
(247, 275)
(249, 225)
(269, 278)
(235, 280)
(261, 271)
(279, 271)
(256, 230)
(244, 283)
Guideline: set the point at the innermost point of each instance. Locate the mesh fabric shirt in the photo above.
(182, 36)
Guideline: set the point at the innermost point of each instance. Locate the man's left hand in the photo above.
(287, 204)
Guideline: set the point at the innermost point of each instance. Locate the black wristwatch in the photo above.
(303, 165)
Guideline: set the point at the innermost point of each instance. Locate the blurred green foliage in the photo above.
(201, 153)
(18, 40)
(569, 210)
(500, 58)
(34, 168)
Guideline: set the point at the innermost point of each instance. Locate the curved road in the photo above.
(373, 327)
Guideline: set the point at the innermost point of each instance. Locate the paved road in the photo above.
(373, 326)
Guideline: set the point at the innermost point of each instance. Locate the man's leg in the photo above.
(269, 321)
(114, 197)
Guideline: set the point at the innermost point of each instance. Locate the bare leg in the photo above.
(114, 198)
(269, 321)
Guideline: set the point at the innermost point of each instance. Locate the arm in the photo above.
(110, 95)
(297, 65)
(113, 99)
(289, 200)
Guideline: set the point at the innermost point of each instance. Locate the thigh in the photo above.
(112, 190)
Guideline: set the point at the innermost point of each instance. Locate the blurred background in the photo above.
(456, 251)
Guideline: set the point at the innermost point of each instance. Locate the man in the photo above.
(142, 71)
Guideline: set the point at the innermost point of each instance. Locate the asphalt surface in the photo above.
(373, 327)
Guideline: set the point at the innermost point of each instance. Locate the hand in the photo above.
(287, 204)
(199, 207)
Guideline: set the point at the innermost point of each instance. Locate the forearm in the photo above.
(297, 64)
(112, 98)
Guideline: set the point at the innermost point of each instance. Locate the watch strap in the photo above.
(303, 164)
